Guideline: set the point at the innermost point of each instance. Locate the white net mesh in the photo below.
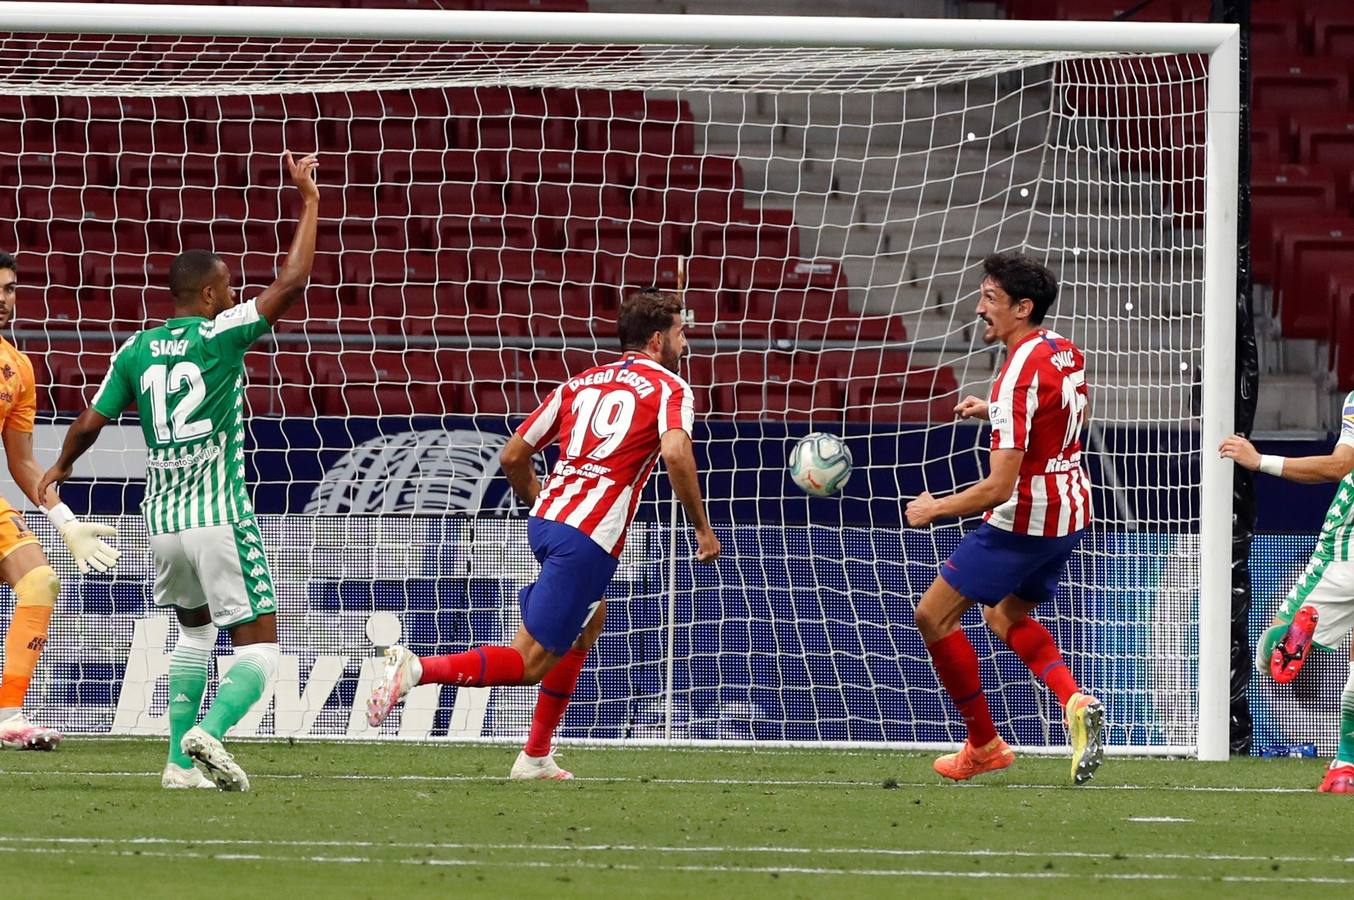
(482, 207)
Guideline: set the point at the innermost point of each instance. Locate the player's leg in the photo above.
(970, 575)
(557, 689)
(1011, 621)
(176, 586)
(234, 574)
(1284, 646)
(25, 569)
(1083, 714)
(574, 573)
(1339, 778)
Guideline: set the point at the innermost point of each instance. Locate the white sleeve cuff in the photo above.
(1272, 465)
(60, 514)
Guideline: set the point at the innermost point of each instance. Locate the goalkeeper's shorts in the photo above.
(1328, 585)
(575, 572)
(14, 531)
(989, 564)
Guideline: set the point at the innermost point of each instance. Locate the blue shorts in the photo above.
(990, 563)
(575, 572)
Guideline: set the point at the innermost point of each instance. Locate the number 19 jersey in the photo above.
(186, 378)
(610, 421)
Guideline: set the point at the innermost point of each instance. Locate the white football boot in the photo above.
(399, 675)
(173, 778)
(538, 768)
(213, 759)
(17, 733)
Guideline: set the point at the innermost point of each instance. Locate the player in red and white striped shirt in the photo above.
(1037, 500)
(613, 422)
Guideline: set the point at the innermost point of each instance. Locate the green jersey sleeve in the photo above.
(117, 391)
(232, 332)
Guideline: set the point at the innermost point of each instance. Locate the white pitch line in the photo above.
(573, 865)
(663, 849)
(724, 782)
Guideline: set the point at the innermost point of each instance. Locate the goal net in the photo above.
(484, 205)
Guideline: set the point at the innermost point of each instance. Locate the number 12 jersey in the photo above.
(610, 421)
(186, 378)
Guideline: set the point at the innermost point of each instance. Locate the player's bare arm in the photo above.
(515, 459)
(987, 494)
(292, 278)
(680, 459)
(1303, 469)
(971, 407)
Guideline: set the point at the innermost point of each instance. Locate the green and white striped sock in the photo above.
(188, 665)
(240, 688)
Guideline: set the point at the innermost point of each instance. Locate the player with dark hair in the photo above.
(1037, 500)
(23, 564)
(613, 422)
(186, 378)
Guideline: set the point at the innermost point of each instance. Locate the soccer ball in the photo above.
(820, 464)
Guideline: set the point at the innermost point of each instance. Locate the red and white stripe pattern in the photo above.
(1038, 404)
(610, 421)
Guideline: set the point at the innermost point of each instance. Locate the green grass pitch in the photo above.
(417, 820)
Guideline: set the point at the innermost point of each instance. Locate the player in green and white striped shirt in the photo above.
(186, 378)
(1320, 608)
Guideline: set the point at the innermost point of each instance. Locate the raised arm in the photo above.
(1332, 466)
(292, 278)
(680, 459)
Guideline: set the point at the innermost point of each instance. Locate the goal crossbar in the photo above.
(1219, 42)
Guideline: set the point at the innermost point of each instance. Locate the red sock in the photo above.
(957, 667)
(1033, 644)
(557, 688)
(480, 667)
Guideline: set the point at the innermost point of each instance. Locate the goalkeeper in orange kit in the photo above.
(23, 564)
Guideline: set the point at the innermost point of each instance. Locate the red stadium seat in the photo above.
(617, 236)
(1105, 10)
(1307, 249)
(848, 326)
(382, 383)
(752, 385)
(630, 122)
(808, 293)
(1340, 344)
(1277, 29)
(533, 5)
(570, 167)
(1285, 191)
(925, 395)
(76, 371)
(1299, 84)
(1269, 137)
(1332, 26)
(1327, 139)
(766, 234)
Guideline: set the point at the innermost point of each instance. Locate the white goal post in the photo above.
(792, 640)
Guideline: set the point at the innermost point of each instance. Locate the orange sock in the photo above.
(23, 645)
(35, 596)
